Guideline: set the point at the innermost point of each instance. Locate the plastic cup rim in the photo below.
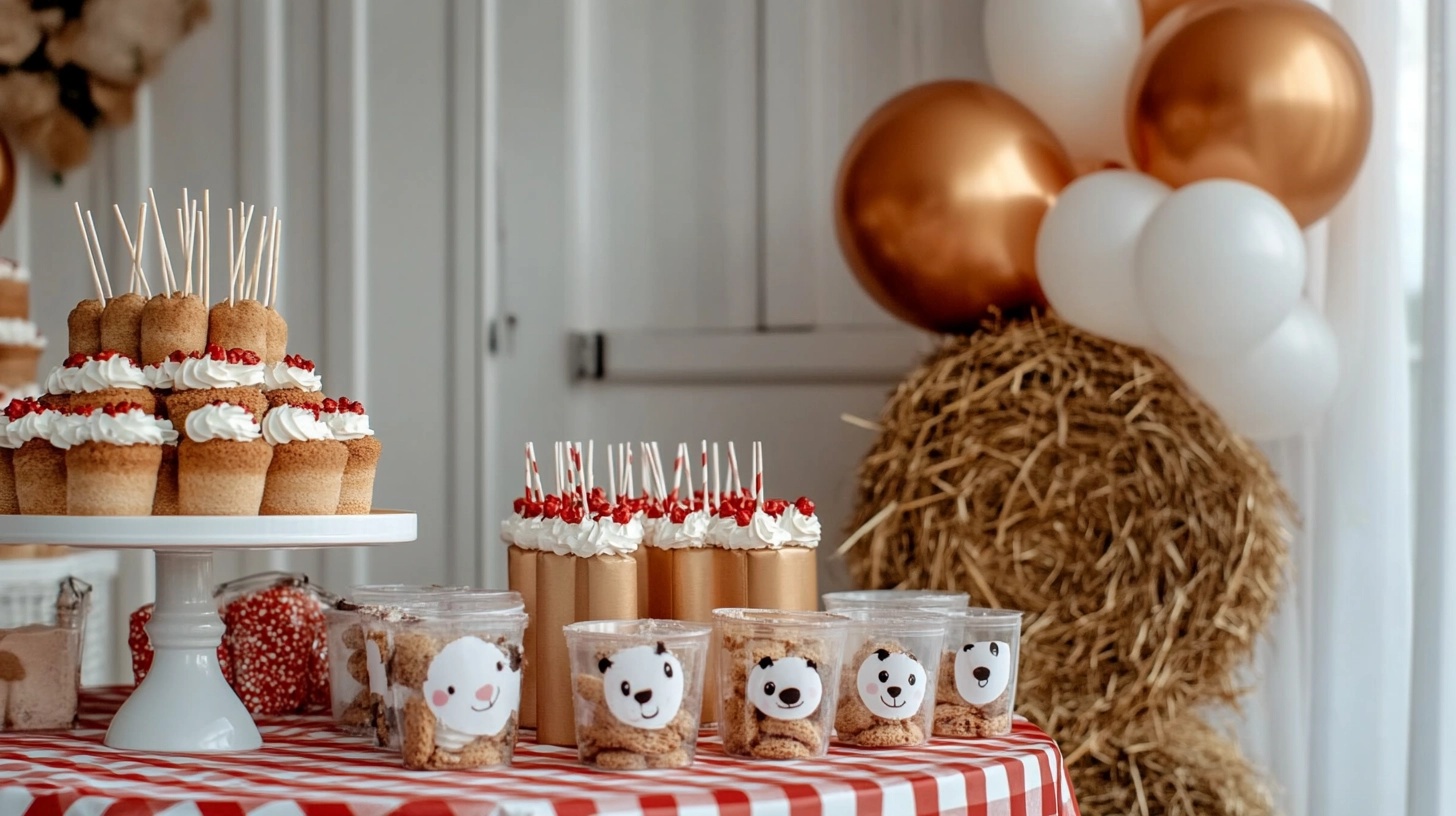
(901, 621)
(686, 631)
(799, 619)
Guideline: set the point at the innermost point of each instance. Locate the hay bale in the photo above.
(1045, 469)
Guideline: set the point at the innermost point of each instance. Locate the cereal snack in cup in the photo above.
(976, 691)
(348, 671)
(637, 691)
(457, 688)
(887, 682)
(927, 599)
(778, 679)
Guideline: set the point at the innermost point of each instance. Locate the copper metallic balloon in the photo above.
(7, 178)
(1272, 92)
(1156, 10)
(938, 202)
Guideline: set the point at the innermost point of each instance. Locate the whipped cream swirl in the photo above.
(803, 529)
(692, 533)
(115, 371)
(162, 376)
(7, 441)
(347, 425)
(17, 332)
(196, 373)
(134, 427)
(34, 425)
(619, 538)
(762, 532)
(224, 421)
(281, 375)
(63, 380)
(291, 423)
(70, 430)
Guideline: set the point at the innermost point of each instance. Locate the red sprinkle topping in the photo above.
(107, 355)
(122, 408)
(343, 405)
(572, 514)
(17, 409)
(743, 518)
(519, 505)
(85, 410)
(775, 507)
(298, 361)
(622, 514)
(532, 509)
(179, 355)
(678, 514)
(551, 507)
(804, 505)
(240, 356)
(216, 352)
(75, 360)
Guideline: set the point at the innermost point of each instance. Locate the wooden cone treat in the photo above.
(121, 325)
(277, 337)
(242, 325)
(233, 376)
(84, 327)
(113, 456)
(222, 464)
(292, 381)
(349, 424)
(172, 322)
(307, 471)
(40, 467)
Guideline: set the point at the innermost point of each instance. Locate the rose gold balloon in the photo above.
(1156, 10)
(1271, 92)
(7, 178)
(938, 202)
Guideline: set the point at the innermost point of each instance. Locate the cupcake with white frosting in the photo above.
(222, 463)
(307, 472)
(101, 379)
(233, 376)
(292, 381)
(113, 455)
(40, 467)
(349, 423)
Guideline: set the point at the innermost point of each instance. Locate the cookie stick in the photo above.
(84, 322)
(171, 320)
(277, 326)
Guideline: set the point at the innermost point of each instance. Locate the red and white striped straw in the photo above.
(627, 467)
(581, 480)
(527, 494)
(706, 495)
(591, 457)
(611, 472)
(758, 472)
(645, 470)
(657, 471)
(571, 466)
(535, 469)
(682, 456)
(677, 470)
(557, 456)
(717, 487)
(733, 470)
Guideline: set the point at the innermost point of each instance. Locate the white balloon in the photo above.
(1070, 62)
(1280, 387)
(1219, 266)
(1085, 251)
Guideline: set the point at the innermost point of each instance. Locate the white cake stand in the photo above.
(184, 705)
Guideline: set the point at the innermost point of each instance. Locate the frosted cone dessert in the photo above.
(14, 290)
(121, 324)
(161, 377)
(8, 504)
(164, 503)
(243, 325)
(350, 425)
(219, 376)
(84, 327)
(106, 378)
(222, 464)
(40, 467)
(277, 337)
(292, 381)
(168, 324)
(112, 459)
(306, 476)
(20, 349)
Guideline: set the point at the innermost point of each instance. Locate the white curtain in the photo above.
(1331, 717)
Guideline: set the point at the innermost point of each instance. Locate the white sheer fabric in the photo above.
(1331, 714)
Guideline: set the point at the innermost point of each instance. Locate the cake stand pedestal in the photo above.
(184, 705)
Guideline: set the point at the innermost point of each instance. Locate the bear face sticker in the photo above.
(473, 687)
(785, 689)
(891, 684)
(982, 671)
(643, 686)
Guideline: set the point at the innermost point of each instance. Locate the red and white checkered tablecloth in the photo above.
(307, 768)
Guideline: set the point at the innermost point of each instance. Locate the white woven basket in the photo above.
(28, 590)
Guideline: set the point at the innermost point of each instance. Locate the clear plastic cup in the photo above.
(778, 679)
(485, 600)
(927, 599)
(887, 680)
(976, 690)
(355, 703)
(637, 691)
(456, 687)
